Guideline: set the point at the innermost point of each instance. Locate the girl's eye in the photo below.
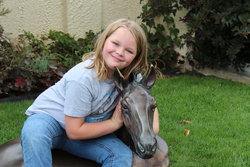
(129, 51)
(115, 43)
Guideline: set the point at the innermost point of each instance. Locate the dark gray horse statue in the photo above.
(138, 105)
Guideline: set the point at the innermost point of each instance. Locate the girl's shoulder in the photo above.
(80, 72)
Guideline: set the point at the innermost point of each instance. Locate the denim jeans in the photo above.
(41, 133)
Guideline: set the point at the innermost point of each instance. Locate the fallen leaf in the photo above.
(185, 122)
(187, 132)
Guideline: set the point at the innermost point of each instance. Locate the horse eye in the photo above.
(124, 107)
(153, 108)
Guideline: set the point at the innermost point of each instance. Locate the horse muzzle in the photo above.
(146, 151)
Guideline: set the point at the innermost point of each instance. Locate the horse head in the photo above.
(138, 110)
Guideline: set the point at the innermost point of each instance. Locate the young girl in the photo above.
(81, 111)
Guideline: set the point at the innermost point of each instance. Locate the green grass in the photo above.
(219, 110)
(12, 118)
(220, 114)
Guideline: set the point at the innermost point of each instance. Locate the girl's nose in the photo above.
(120, 51)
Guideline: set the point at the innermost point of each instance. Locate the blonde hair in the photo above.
(140, 62)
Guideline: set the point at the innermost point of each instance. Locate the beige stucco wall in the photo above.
(73, 16)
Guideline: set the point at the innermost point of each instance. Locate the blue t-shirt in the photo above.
(78, 94)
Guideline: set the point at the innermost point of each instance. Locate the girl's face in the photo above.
(119, 49)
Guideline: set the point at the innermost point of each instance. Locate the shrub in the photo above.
(219, 32)
(68, 50)
(163, 36)
(34, 64)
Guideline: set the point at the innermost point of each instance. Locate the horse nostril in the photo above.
(154, 147)
(141, 148)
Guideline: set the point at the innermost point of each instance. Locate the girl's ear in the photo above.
(150, 79)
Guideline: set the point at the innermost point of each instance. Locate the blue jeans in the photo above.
(41, 133)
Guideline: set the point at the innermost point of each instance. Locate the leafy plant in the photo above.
(68, 50)
(219, 32)
(25, 66)
(34, 64)
(163, 36)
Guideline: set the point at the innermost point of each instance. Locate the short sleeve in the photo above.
(77, 99)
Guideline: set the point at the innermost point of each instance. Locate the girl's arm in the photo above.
(156, 122)
(76, 129)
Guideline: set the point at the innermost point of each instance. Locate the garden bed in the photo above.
(26, 96)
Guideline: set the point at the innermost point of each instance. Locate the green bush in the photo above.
(163, 36)
(219, 32)
(68, 50)
(34, 64)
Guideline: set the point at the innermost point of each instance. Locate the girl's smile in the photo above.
(117, 58)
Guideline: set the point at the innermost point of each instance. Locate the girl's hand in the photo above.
(117, 115)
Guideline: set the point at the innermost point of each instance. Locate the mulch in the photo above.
(13, 98)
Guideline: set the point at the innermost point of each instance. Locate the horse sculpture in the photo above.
(138, 105)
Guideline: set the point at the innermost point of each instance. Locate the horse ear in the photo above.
(150, 79)
(120, 83)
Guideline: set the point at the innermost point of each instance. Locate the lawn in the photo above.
(219, 111)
